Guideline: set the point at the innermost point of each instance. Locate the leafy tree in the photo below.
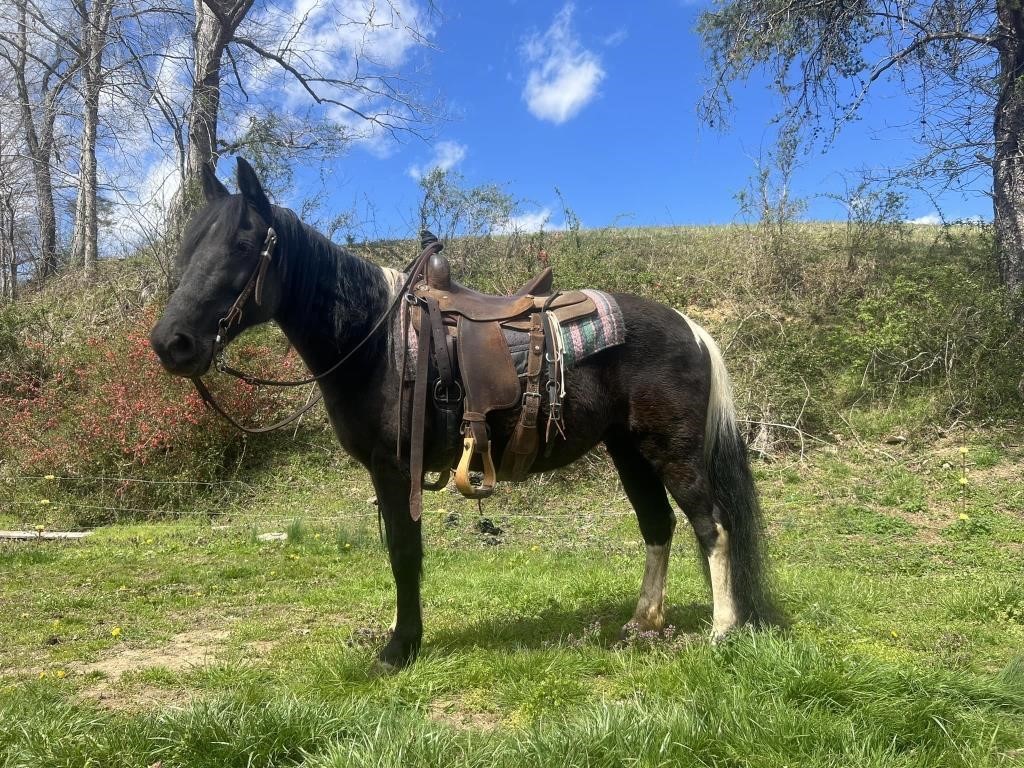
(961, 62)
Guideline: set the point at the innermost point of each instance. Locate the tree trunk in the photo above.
(210, 39)
(39, 144)
(8, 251)
(88, 225)
(216, 22)
(1008, 163)
(95, 23)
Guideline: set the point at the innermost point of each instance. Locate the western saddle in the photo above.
(465, 365)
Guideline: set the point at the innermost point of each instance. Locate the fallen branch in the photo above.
(30, 535)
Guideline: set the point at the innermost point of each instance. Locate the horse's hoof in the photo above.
(397, 655)
(629, 630)
(381, 668)
(719, 636)
(636, 627)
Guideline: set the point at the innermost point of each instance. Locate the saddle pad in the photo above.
(581, 337)
(586, 336)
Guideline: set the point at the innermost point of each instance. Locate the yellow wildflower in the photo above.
(115, 632)
(49, 477)
(59, 674)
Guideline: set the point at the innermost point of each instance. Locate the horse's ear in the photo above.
(251, 189)
(212, 188)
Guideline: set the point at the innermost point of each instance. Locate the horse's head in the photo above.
(218, 262)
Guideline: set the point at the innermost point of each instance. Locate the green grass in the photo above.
(196, 644)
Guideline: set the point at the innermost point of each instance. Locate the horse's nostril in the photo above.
(177, 351)
(181, 346)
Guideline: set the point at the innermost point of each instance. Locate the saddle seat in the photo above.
(455, 298)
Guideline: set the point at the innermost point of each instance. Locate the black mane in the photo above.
(321, 276)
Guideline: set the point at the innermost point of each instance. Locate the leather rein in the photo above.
(254, 289)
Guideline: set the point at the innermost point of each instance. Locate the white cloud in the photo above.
(564, 76)
(527, 223)
(929, 218)
(351, 50)
(616, 37)
(447, 154)
(139, 212)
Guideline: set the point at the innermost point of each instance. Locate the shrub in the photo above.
(102, 407)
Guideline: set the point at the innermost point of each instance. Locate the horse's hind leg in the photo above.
(657, 522)
(688, 483)
(655, 463)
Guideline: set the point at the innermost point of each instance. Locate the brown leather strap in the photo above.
(442, 353)
(419, 418)
(523, 446)
(254, 283)
(208, 399)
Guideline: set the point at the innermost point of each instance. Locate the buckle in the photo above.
(538, 395)
(443, 394)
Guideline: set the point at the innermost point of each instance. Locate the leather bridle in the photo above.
(254, 289)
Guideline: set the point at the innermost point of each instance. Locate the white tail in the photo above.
(721, 418)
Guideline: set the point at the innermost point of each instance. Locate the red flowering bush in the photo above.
(102, 406)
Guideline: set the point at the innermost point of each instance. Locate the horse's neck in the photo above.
(331, 301)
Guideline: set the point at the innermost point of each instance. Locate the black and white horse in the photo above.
(660, 402)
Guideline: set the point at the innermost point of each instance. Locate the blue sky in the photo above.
(599, 100)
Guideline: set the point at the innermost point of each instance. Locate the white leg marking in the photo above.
(724, 612)
(650, 608)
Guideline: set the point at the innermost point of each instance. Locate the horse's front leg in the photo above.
(405, 549)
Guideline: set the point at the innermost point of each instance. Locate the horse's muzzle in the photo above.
(181, 352)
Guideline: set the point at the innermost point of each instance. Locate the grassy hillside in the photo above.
(830, 333)
(878, 379)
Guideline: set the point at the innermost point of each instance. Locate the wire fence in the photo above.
(245, 505)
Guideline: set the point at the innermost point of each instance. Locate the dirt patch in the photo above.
(137, 699)
(455, 712)
(184, 651)
(260, 648)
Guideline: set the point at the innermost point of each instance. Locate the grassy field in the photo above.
(194, 643)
